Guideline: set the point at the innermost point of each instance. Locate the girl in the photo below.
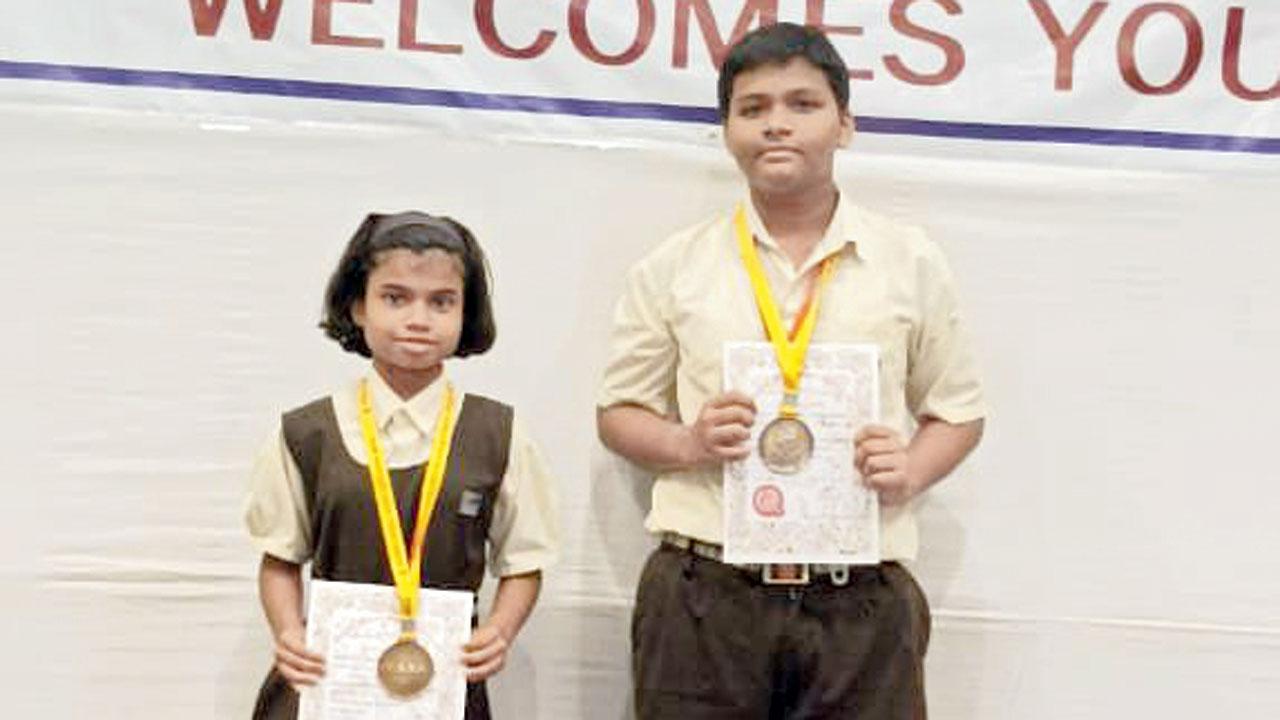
(410, 291)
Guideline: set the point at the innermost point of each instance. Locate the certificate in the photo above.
(820, 513)
(351, 624)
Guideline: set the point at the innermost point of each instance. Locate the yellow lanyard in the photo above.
(406, 567)
(790, 351)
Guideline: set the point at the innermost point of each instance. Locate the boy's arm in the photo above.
(486, 653)
(942, 391)
(937, 448)
(280, 589)
(642, 436)
(899, 472)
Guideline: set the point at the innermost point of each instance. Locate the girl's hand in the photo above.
(485, 654)
(299, 666)
(881, 458)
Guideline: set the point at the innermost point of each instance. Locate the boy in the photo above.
(717, 640)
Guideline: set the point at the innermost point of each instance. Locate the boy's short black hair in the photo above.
(775, 45)
(418, 232)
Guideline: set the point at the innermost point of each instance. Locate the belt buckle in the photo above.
(840, 575)
(785, 574)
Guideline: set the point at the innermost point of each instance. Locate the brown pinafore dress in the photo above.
(346, 539)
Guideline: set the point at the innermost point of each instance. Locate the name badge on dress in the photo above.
(470, 504)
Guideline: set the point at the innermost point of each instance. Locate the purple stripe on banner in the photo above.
(616, 109)
(1070, 135)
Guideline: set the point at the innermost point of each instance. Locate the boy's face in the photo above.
(411, 312)
(784, 126)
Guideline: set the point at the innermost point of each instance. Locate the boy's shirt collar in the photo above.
(841, 233)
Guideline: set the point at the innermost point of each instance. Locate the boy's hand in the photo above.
(299, 666)
(722, 429)
(485, 654)
(880, 456)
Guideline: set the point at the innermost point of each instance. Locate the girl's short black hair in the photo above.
(419, 232)
(776, 44)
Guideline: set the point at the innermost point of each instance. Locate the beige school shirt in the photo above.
(524, 533)
(891, 286)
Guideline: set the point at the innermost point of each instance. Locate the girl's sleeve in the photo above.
(524, 533)
(275, 513)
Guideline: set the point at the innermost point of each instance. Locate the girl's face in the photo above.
(411, 313)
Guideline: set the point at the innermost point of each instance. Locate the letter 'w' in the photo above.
(206, 15)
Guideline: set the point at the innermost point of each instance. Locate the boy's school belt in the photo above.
(766, 573)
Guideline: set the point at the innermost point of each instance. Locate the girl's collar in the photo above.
(421, 408)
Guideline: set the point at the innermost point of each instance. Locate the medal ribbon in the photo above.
(406, 567)
(792, 347)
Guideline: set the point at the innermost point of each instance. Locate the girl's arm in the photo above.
(280, 588)
(486, 653)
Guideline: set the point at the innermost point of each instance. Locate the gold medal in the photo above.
(405, 669)
(785, 446)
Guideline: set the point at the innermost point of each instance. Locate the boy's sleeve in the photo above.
(275, 513)
(524, 533)
(641, 366)
(943, 380)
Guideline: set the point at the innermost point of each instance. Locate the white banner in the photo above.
(1193, 74)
